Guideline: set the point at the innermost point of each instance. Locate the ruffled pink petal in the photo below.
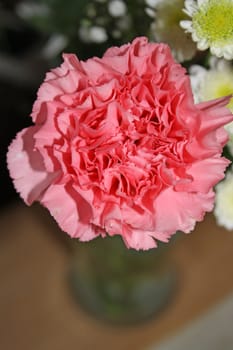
(27, 168)
(71, 211)
(63, 80)
(205, 174)
(71, 63)
(138, 239)
(180, 210)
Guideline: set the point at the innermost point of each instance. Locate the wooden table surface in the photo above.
(37, 311)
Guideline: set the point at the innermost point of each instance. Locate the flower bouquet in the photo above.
(119, 147)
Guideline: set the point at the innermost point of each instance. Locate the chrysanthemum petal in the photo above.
(202, 44)
(223, 203)
(190, 7)
(187, 25)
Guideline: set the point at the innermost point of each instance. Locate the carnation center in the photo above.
(128, 151)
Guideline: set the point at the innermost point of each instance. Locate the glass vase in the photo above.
(121, 285)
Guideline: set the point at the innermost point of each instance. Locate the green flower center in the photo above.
(218, 84)
(224, 90)
(214, 21)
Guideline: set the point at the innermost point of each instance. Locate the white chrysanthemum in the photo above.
(224, 202)
(211, 25)
(213, 83)
(166, 27)
(229, 129)
(197, 76)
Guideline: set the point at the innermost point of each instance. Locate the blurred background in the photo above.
(37, 309)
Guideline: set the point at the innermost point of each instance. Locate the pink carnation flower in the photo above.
(119, 148)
